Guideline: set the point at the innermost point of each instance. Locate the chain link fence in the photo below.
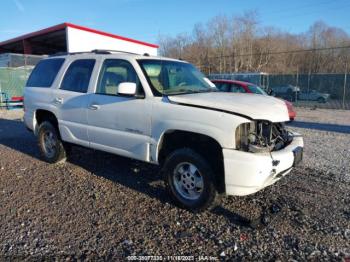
(308, 90)
(19, 60)
(14, 72)
(12, 82)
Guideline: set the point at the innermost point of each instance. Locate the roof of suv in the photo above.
(119, 54)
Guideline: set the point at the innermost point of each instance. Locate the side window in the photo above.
(218, 85)
(224, 87)
(45, 72)
(114, 72)
(78, 75)
(237, 89)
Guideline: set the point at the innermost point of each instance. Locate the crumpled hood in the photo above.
(253, 106)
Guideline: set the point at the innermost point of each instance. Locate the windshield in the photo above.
(257, 90)
(173, 78)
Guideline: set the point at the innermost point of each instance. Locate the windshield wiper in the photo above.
(188, 91)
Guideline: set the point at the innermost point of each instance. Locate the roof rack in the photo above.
(110, 51)
(97, 51)
(67, 53)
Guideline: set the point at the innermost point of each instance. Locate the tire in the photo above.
(50, 144)
(190, 180)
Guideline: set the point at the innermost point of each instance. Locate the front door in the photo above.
(119, 124)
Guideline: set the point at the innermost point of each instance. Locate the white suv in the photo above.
(165, 112)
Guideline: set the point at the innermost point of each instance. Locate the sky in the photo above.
(147, 19)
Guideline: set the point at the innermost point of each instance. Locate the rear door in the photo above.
(38, 91)
(71, 100)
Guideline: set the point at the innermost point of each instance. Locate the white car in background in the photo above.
(165, 112)
(314, 95)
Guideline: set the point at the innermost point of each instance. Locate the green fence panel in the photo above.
(13, 80)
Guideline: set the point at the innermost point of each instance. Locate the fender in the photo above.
(211, 108)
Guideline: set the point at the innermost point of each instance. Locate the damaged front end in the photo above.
(265, 152)
(262, 136)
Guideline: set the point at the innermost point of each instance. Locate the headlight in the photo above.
(261, 136)
(242, 135)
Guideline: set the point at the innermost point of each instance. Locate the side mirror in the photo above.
(127, 89)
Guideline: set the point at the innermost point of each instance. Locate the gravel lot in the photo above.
(101, 206)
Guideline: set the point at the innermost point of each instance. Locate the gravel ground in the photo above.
(101, 206)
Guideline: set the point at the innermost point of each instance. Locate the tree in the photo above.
(239, 44)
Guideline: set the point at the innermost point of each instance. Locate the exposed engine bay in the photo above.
(262, 136)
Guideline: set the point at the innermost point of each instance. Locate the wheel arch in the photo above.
(42, 115)
(173, 139)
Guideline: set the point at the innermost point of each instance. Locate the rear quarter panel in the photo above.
(36, 98)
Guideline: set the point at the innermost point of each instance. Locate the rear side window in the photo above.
(224, 87)
(237, 89)
(45, 72)
(78, 75)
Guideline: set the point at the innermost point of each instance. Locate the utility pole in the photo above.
(0, 96)
(308, 82)
(297, 85)
(344, 89)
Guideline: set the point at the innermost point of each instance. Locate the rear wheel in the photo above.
(50, 143)
(190, 180)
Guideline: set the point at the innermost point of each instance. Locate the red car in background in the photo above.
(234, 86)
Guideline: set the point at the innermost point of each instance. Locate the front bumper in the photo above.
(247, 173)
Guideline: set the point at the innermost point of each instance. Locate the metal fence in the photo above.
(310, 90)
(19, 60)
(12, 82)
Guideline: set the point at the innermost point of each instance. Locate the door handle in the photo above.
(58, 100)
(94, 107)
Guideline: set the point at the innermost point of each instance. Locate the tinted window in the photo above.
(114, 72)
(45, 72)
(78, 75)
(256, 90)
(225, 87)
(217, 84)
(237, 89)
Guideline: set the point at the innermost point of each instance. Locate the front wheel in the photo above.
(190, 180)
(50, 144)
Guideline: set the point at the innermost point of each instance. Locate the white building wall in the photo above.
(81, 41)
